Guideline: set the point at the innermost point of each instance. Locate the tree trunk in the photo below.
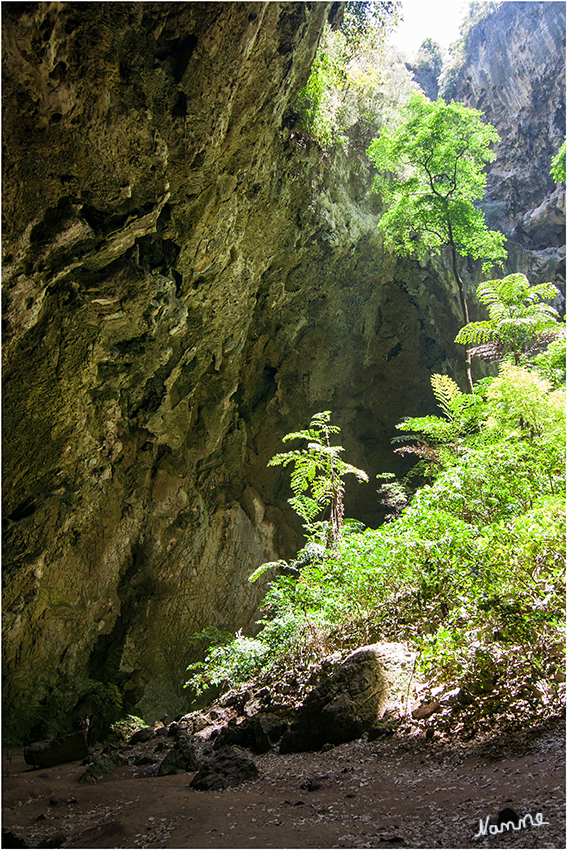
(464, 305)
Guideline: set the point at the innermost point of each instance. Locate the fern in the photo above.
(317, 475)
(517, 316)
(445, 391)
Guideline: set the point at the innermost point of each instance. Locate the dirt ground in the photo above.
(388, 793)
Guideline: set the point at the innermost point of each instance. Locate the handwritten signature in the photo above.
(493, 829)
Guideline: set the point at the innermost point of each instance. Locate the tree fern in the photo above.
(517, 316)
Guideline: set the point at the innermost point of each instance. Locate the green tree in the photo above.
(427, 67)
(346, 80)
(430, 173)
(318, 473)
(518, 317)
(558, 164)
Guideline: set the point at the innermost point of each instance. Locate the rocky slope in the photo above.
(186, 279)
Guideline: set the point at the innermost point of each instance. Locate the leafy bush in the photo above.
(122, 730)
(558, 164)
(352, 83)
(471, 572)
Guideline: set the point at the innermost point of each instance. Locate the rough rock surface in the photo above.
(227, 768)
(186, 280)
(180, 759)
(57, 750)
(341, 708)
(519, 85)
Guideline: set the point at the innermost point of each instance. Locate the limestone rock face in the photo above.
(186, 279)
(515, 74)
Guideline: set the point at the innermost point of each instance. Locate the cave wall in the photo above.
(185, 280)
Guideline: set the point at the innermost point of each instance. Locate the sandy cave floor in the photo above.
(393, 793)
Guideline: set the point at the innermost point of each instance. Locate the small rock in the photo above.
(200, 722)
(313, 784)
(426, 710)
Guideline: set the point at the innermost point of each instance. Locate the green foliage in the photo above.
(102, 701)
(430, 57)
(517, 317)
(430, 173)
(550, 364)
(558, 164)
(349, 88)
(364, 19)
(317, 476)
(471, 572)
(123, 729)
(233, 661)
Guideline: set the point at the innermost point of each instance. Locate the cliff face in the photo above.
(186, 280)
(514, 72)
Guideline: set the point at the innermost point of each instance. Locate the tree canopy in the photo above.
(430, 174)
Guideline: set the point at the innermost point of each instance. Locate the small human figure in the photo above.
(164, 719)
(85, 723)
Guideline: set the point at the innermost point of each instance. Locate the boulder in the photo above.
(57, 750)
(230, 766)
(180, 759)
(240, 732)
(106, 764)
(142, 735)
(426, 710)
(268, 729)
(343, 707)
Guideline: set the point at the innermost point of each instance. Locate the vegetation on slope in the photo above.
(469, 570)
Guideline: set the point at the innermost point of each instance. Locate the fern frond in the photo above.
(445, 391)
(297, 435)
(306, 507)
(283, 458)
(542, 291)
(431, 426)
(476, 332)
